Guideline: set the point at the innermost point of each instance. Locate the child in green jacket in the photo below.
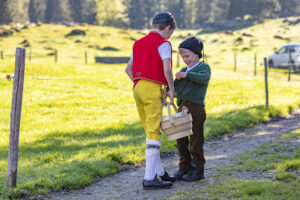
(190, 89)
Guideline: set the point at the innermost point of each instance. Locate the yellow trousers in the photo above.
(148, 97)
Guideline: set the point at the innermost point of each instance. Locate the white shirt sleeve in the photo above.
(165, 50)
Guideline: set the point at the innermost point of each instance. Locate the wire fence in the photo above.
(53, 56)
(237, 61)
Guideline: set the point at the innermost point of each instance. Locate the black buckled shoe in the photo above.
(166, 177)
(156, 184)
(195, 174)
(179, 174)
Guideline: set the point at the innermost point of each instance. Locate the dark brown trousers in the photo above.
(191, 149)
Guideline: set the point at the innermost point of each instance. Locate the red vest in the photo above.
(147, 63)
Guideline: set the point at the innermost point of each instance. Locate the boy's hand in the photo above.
(180, 75)
(170, 94)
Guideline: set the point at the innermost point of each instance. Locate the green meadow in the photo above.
(278, 164)
(79, 121)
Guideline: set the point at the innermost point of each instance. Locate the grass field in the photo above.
(279, 165)
(79, 121)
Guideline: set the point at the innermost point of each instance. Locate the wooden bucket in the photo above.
(177, 127)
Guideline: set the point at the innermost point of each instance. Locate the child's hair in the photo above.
(162, 20)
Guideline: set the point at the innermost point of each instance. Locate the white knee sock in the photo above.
(151, 163)
(159, 169)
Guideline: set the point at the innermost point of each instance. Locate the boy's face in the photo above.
(167, 32)
(189, 57)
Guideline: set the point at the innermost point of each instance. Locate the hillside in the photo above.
(43, 40)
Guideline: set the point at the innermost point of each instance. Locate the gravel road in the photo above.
(218, 152)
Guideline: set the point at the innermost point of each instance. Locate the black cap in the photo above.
(163, 18)
(194, 44)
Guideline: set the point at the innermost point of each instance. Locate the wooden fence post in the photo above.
(85, 56)
(254, 64)
(266, 82)
(234, 58)
(1, 55)
(290, 64)
(15, 118)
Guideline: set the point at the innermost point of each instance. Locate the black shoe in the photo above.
(195, 174)
(166, 177)
(179, 174)
(156, 184)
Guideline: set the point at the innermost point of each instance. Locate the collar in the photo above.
(190, 68)
(157, 31)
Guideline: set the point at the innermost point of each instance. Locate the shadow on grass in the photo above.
(72, 143)
(70, 160)
(112, 139)
(124, 136)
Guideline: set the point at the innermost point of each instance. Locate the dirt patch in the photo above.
(218, 152)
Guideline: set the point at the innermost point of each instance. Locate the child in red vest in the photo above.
(150, 68)
(190, 87)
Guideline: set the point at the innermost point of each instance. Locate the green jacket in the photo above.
(193, 88)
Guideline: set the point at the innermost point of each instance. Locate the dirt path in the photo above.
(218, 152)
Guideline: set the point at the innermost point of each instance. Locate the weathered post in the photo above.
(234, 58)
(1, 55)
(266, 82)
(254, 64)
(15, 118)
(85, 56)
(290, 64)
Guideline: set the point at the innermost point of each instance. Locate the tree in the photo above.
(109, 13)
(202, 11)
(237, 8)
(83, 10)
(189, 14)
(151, 8)
(289, 8)
(258, 9)
(57, 11)
(219, 9)
(136, 13)
(4, 13)
(11, 11)
(176, 7)
(37, 10)
(261, 9)
(184, 12)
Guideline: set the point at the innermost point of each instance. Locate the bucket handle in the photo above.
(169, 112)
